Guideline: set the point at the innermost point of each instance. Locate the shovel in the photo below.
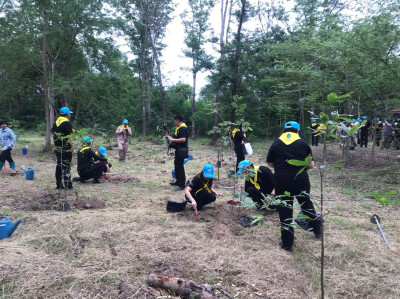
(375, 219)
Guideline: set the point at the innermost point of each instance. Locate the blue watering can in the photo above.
(7, 227)
(29, 173)
(190, 157)
(25, 150)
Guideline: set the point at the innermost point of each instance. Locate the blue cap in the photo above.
(65, 110)
(292, 124)
(87, 139)
(125, 121)
(314, 120)
(364, 117)
(359, 119)
(242, 165)
(353, 120)
(208, 171)
(102, 150)
(377, 118)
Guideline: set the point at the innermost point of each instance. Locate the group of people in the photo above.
(91, 164)
(286, 183)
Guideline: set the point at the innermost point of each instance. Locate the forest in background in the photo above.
(64, 53)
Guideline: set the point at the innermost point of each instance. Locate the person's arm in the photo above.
(271, 164)
(215, 192)
(176, 140)
(311, 166)
(190, 197)
(129, 131)
(119, 130)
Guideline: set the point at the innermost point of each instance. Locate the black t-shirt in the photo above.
(197, 183)
(279, 153)
(238, 138)
(364, 129)
(265, 178)
(86, 159)
(314, 126)
(65, 129)
(182, 133)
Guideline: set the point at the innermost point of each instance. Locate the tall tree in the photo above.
(196, 27)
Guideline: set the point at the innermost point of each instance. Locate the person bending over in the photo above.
(200, 191)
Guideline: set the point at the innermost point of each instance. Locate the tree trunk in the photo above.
(45, 83)
(237, 57)
(193, 106)
(159, 75)
(221, 64)
(184, 288)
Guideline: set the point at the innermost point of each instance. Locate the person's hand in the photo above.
(9, 147)
(75, 151)
(194, 204)
(219, 194)
(168, 137)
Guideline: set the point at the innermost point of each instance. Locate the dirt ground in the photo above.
(118, 232)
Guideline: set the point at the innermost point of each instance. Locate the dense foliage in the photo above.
(281, 63)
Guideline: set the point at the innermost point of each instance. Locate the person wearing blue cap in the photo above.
(90, 165)
(123, 132)
(200, 191)
(64, 147)
(288, 179)
(7, 140)
(365, 126)
(314, 132)
(102, 152)
(260, 180)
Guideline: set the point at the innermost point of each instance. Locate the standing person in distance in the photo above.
(237, 138)
(314, 133)
(366, 124)
(287, 179)
(123, 132)
(180, 143)
(64, 146)
(7, 140)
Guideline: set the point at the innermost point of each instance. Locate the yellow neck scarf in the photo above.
(204, 187)
(176, 130)
(60, 120)
(123, 128)
(253, 180)
(85, 148)
(289, 137)
(234, 132)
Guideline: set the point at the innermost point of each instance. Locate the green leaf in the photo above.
(383, 201)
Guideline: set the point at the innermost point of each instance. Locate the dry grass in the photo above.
(109, 253)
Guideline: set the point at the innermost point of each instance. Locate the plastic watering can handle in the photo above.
(4, 217)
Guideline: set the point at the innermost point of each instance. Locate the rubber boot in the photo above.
(12, 165)
(1, 166)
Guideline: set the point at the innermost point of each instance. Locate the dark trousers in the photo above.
(255, 195)
(203, 198)
(314, 140)
(95, 171)
(239, 155)
(285, 182)
(364, 139)
(6, 156)
(179, 171)
(63, 169)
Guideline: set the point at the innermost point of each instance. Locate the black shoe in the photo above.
(179, 189)
(97, 181)
(59, 188)
(173, 183)
(318, 236)
(289, 249)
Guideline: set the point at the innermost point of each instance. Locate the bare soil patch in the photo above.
(122, 179)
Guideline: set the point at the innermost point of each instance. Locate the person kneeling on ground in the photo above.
(258, 183)
(102, 152)
(87, 166)
(200, 191)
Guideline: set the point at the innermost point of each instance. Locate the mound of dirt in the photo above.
(122, 179)
(88, 203)
(50, 200)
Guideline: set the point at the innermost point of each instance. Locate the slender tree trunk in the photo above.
(193, 106)
(45, 83)
(221, 64)
(159, 75)
(237, 57)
